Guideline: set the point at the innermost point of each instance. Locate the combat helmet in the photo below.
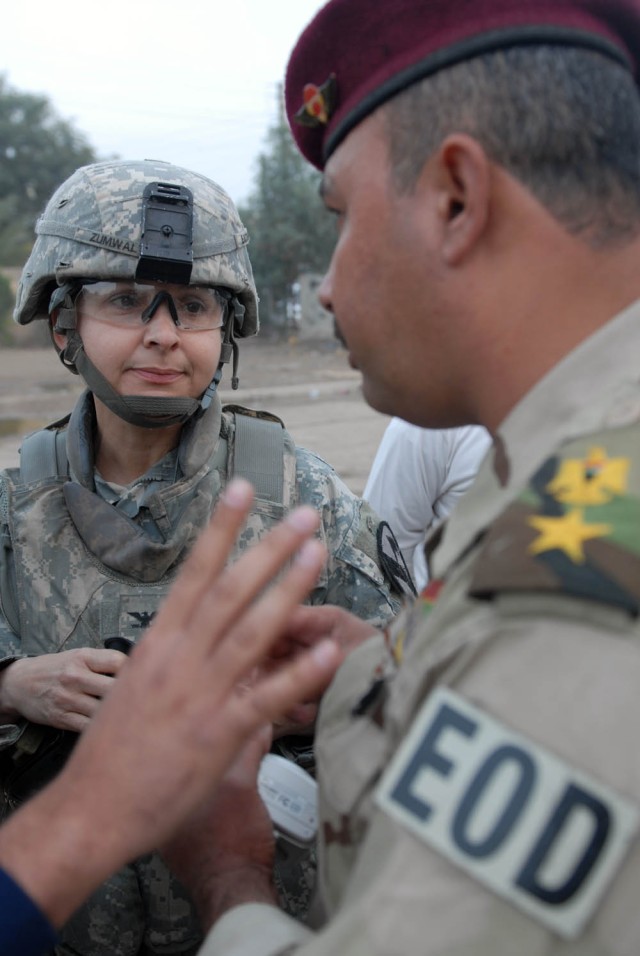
(138, 220)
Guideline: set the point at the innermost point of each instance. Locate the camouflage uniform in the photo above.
(79, 572)
(76, 574)
(479, 784)
(82, 561)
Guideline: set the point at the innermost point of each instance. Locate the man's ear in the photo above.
(462, 172)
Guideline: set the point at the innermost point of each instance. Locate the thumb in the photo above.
(244, 769)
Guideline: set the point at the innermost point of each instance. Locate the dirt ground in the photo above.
(308, 384)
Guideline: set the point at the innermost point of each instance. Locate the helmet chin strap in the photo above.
(145, 411)
(141, 410)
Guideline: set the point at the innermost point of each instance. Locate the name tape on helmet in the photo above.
(537, 831)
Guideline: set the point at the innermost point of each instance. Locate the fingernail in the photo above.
(310, 553)
(238, 493)
(303, 519)
(325, 653)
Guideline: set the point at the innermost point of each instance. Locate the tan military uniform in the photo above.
(482, 797)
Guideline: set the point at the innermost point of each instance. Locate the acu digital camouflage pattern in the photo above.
(80, 571)
(143, 909)
(91, 229)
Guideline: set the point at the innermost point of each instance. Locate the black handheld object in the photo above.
(119, 644)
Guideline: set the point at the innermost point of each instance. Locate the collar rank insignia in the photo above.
(318, 103)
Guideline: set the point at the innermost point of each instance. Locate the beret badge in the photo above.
(318, 103)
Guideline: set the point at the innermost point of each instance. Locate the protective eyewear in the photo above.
(130, 304)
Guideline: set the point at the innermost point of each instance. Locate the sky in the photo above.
(187, 81)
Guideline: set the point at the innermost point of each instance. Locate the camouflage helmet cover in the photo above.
(91, 229)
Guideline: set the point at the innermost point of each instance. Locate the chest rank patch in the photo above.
(574, 530)
(541, 834)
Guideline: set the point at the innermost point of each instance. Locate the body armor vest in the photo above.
(82, 571)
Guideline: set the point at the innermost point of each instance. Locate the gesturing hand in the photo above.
(186, 701)
(224, 855)
(305, 627)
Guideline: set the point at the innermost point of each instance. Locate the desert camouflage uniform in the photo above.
(479, 768)
(77, 568)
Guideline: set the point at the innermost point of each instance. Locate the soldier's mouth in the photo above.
(158, 376)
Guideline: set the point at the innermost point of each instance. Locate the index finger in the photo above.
(209, 554)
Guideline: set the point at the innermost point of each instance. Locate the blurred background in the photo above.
(198, 84)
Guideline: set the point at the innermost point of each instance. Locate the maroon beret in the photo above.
(355, 54)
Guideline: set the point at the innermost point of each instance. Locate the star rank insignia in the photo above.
(318, 103)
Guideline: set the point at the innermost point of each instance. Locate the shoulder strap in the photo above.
(8, 599)
(258, 455)
(43, 454)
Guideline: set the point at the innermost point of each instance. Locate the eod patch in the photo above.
(537, 831)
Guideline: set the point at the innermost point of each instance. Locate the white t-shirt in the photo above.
(416, 477)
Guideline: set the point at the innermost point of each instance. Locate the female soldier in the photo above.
(141, 269)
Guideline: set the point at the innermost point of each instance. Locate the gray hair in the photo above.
(564, 121)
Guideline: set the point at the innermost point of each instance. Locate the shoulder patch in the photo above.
(535, 830)
(393, 563)
(575, 529)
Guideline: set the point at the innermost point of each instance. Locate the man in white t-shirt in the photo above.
(416, 477)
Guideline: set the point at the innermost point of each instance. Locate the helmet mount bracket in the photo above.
(166, 244)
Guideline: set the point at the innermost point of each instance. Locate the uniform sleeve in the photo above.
(488, 802)
(24, 930)
(255, 929)
(354, 577)
(10, 643)
(552, 688)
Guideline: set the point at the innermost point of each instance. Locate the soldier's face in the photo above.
(384, 283)
(155, 359)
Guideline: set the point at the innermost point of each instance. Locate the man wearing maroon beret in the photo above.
(478, 765)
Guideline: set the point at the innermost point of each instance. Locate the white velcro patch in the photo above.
(537, 831)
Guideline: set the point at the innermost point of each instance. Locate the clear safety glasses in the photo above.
(130, 304)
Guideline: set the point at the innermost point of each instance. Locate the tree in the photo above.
(38, 150)
(290, 232)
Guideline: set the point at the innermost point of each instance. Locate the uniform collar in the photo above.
(198, 439)
(594, 387)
